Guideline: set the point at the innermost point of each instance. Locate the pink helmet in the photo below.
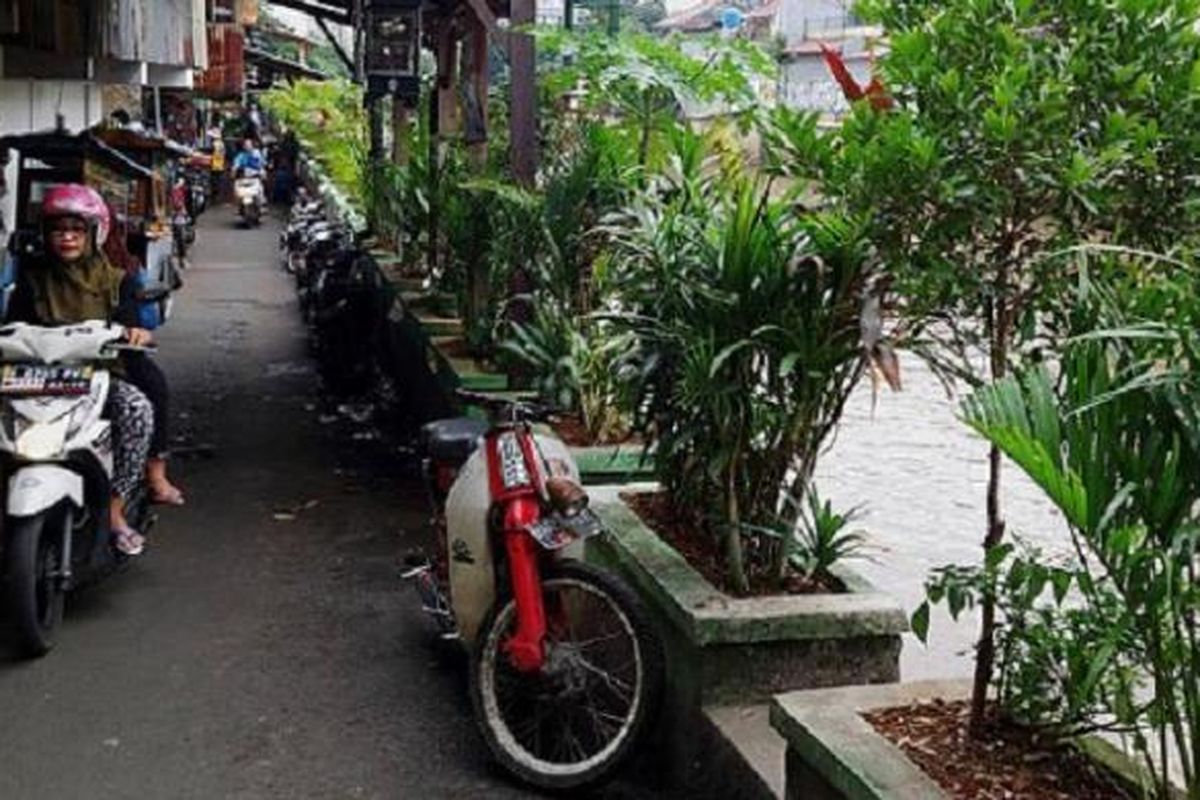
(77, 200)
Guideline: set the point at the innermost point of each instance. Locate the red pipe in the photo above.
(525, 647)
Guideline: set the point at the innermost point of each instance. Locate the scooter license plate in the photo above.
(555, 531)
(43, 379)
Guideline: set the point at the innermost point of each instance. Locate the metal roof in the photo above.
(55, 143)
(339, 11)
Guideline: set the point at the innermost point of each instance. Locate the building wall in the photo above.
(806, 83)
(158, 31)
(812, 19)
(30, 105)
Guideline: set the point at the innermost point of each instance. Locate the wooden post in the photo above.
(447, 86)
(400, 124)
(522, 112)
(375, 121)
(475, 95)
(475, 130)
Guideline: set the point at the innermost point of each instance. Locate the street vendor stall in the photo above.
(135, 193)
(149, 222)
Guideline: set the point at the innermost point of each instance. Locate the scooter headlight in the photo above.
(42, 441)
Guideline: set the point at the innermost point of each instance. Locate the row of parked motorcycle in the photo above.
(338, 286)
(566, 671)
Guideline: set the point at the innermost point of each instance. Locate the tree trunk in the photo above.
(733, 534)
(798, 489)
(985, 652)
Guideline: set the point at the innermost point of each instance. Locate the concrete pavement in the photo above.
(262, 647)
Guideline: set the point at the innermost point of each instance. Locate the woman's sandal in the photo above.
(129, 541)
(171, 497)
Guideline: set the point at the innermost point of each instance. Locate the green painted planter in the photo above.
(441, 326)
(613, 464)
(723, 650)
(834, 754)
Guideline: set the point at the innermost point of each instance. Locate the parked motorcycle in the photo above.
(304, 219)
(57, 452)
(198, 181)
(183, 236)
(250, 196)
(566, 672)
(324, 243)
(345, 316)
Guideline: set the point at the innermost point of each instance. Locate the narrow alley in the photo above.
(263, 646)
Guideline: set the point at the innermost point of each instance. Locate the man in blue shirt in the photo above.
(249, 158)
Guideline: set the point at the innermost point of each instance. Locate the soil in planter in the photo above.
(455, 348)
(703, 552)
(1007, 764)
(571, 430)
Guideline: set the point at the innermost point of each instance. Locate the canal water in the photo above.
(920, 476)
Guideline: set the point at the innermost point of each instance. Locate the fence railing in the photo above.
(817, 27)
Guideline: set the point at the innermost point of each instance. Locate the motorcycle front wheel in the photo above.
(32, 585)
(575, 722)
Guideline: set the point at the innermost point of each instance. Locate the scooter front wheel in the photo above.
(32, 583)
(575, 721)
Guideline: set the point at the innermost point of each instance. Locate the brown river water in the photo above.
(920, 476)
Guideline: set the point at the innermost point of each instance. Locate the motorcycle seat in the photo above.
(452, 441)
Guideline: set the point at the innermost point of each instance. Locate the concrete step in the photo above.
(411, 284)
(748, 750)
(441, 326)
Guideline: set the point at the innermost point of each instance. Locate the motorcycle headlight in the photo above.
(41, 441)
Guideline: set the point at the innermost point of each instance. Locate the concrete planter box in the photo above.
(723, 650)
(613, 464)
(834, 754)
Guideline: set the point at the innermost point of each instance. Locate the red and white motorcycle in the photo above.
(566, 672)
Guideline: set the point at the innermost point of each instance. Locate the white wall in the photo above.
(815, 19)
(806, 83)
(30, 105)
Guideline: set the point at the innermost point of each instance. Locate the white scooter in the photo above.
(56, 450)
(251, 196)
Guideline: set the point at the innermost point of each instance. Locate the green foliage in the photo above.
(639, 82)
(1020, 129)
(574, 364)
(748, 332)
(823, 538)
(327, 117)
(1113, 640)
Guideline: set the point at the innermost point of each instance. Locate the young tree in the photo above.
(1019, 128)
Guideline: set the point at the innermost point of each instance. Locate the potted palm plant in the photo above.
(750, 325)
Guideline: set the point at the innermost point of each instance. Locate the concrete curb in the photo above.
(832, 752)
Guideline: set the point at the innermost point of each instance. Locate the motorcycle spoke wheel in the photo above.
(572, 722)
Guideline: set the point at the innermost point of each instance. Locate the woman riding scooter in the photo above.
(73, 283)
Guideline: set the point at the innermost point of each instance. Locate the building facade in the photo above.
(72, 62)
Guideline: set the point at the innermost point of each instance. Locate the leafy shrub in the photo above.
(327, 116)
(1112, 641)
(749, 336)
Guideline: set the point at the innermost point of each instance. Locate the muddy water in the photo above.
(921, 477)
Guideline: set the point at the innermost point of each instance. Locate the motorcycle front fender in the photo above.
(36, 488)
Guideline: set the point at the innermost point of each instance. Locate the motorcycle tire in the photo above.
(490, 669)
(35, 598)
